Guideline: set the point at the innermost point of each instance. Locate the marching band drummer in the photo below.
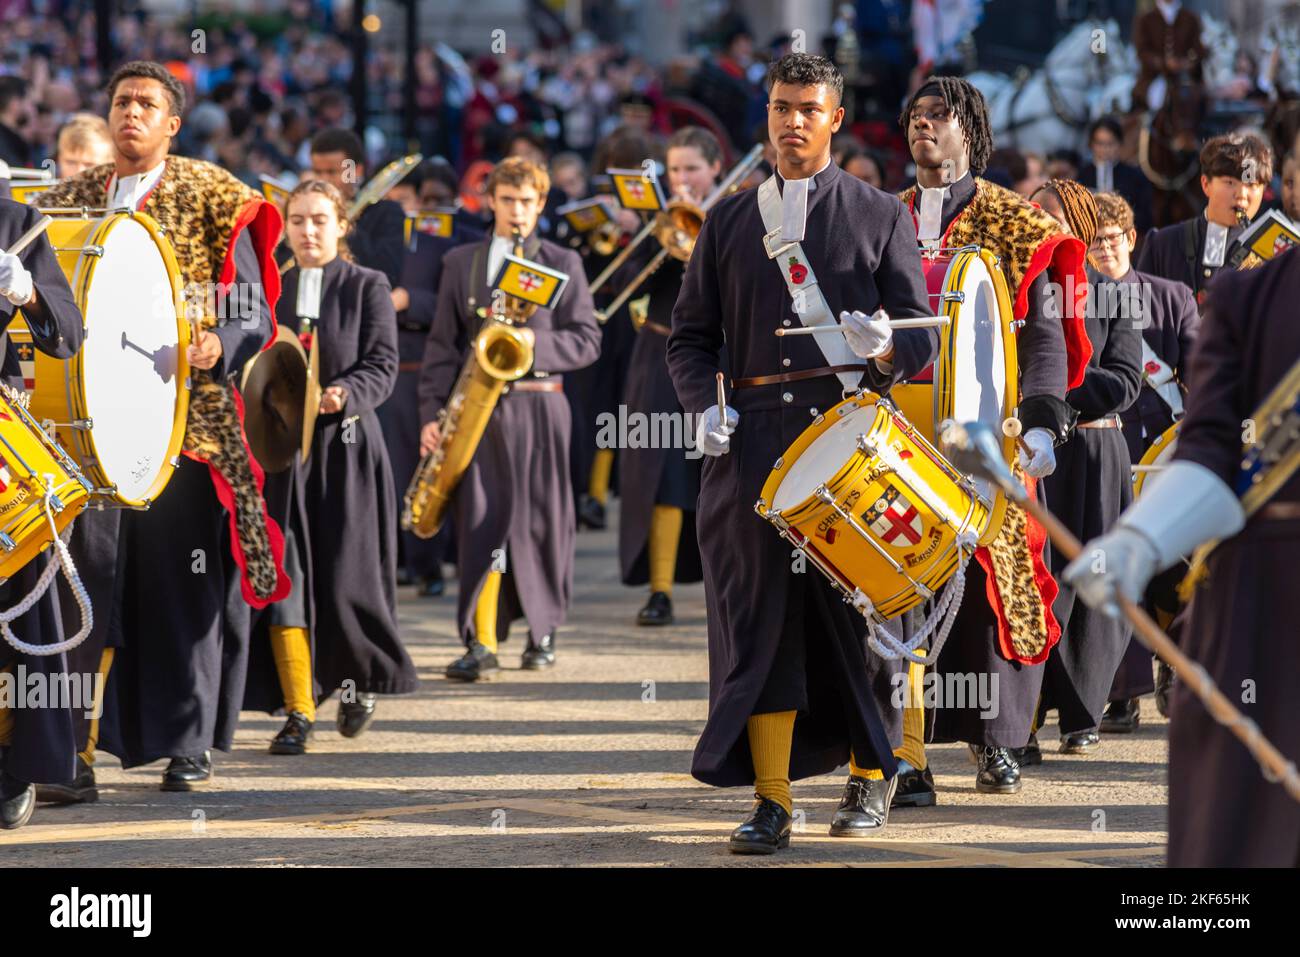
(789, 693)
(37, 744)
(658, 486)
(1241, 623)
(1092, 484)
(338, 511)
(1007, 636)
(514, 514)
(172, 585)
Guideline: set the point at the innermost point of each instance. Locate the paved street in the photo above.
(585, 765)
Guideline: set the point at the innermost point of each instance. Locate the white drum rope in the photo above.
(64, 562)
(941, 618)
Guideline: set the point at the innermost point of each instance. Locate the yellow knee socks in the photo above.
(92, 735)
(485, 612)
(770, 738)
(598, 481)
(665, 533)
(913, 747)
(6, 717)
(292, 650)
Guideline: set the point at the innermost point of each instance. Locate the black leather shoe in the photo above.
(475, 664)
(1164, 685)
(354, 717)
(998, 772)
(591, 514)
(539, 654)
(82, 790)
(432, 588)
(1080, 742)
(765, 831)
(658, 610)
(1030, 754)
(404, 578)
(188, 774)
(293, 737)
(915, 788)
(864, 809)
(1121, 717)
(17, 801)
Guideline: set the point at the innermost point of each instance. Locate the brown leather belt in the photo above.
(408, 367)
(656, 327)
(1280, 511)
(795, 376)
(535, 385)
(1110, 422)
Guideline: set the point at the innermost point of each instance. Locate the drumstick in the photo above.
(722, 402)
(29, 237)
(923, 322)
(1012, 429)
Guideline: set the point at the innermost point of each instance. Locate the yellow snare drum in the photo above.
(874, 506)
(119, 405)
(32, 464)
(1156, 457)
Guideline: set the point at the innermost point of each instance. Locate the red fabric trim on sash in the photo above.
(1063, 257)
(1048, 589)
(263, 221)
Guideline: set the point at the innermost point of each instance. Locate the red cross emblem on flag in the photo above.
(1281, 244)
(529, 280)
(5, 477)
(635, 189)
(895, 520)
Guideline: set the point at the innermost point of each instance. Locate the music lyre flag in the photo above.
(530, 281)
(585, 215)
(637, 189)
(27, 193)
(433, 222)
(275, 191)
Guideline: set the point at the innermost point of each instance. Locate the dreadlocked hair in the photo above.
(966, 103)
(1078, 205)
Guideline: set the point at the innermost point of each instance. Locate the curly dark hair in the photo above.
(806, 69)
(147, 69)
(967, 104)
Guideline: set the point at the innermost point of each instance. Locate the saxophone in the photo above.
(500, 353)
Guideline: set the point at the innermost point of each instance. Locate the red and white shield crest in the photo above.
(1281, 244)
(895, 520)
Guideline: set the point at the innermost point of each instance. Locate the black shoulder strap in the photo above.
(475, 264)
(1191, 239)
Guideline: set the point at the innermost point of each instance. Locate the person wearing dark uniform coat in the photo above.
(37, 744)
(659, 483)
(1235, 169)
(1170, 321)
(1104, 173)
(1090, 487)
(339, 625)
(1004, 628)
(378, 237)
(513, 509)
(789, 692)
(190, 568)
(415, 298)
(1241, 622)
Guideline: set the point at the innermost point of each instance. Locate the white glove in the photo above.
(868, 336)
(713, 437)
(1041, 462)
(1119, 562)
(15, 280)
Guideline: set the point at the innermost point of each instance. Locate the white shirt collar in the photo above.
(929, 218)
(497, 252)
(129, 190)
(1168, 9)
(794, 205)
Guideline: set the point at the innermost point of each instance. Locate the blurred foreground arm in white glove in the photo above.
(713, 436)
(15, 280)
(870, 337)
(1040, 460)
(1182, 507)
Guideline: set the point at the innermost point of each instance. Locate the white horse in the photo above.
(1050, 108)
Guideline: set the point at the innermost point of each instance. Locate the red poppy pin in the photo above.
(798, 271)
(1152, 368)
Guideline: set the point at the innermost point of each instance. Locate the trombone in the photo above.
(676, 227)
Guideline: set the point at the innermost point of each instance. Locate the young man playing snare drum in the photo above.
(789, 695)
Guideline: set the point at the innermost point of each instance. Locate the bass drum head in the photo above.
(131, 362)
(827, 454)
